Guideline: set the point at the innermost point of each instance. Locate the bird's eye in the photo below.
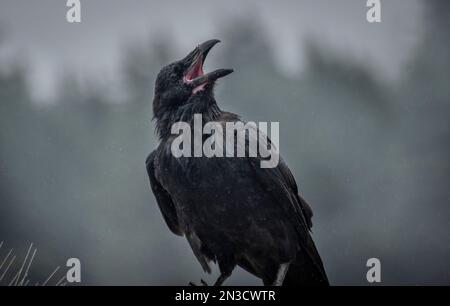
(176, 70)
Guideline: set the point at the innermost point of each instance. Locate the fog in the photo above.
(363, 111)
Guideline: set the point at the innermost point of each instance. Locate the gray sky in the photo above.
(38, 29)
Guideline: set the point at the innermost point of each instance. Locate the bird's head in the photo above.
(184, 81)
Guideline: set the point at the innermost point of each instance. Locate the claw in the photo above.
(201, 281)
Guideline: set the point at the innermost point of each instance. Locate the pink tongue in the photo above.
(196, 71)
(199, 88)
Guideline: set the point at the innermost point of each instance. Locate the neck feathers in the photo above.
(208, 108)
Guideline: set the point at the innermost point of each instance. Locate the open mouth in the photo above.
(195, 71)
(195, 75)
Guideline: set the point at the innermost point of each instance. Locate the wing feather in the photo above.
(163, 198)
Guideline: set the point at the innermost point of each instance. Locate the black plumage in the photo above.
(231, 210)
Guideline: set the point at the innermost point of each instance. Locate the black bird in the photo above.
(231, 210)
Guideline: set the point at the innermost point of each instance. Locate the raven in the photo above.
(232, 211)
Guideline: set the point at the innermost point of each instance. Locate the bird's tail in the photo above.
(307, 269)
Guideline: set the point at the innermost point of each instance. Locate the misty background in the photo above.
(364, 126)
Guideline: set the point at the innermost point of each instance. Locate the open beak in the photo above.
(194, 75)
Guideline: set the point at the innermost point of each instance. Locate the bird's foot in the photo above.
(201, 281)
